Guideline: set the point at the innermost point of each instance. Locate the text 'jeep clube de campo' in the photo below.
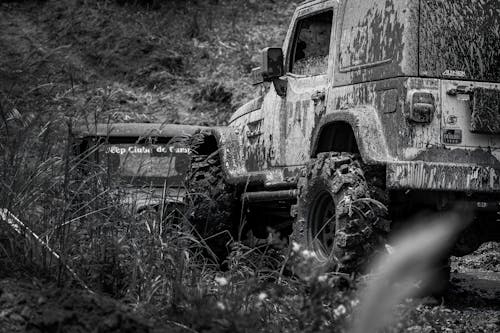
(368, 104)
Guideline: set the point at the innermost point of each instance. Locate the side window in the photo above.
(311, 45)
(372, 36)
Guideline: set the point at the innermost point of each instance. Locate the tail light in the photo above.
(421, 107)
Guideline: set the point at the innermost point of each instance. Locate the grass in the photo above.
(190, 61)
(185, 62)
(96, 60)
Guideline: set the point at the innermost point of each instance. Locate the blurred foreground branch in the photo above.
(410, 266)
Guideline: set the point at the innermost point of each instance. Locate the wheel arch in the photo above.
(337, 136)
(226, 142)
(207, 143)
(356, 131)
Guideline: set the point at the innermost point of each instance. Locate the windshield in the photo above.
(152, 164)
(460, 39)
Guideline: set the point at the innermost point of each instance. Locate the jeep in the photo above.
(143, 165)
(371, 111)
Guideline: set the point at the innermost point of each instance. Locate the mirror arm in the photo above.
(280, 85)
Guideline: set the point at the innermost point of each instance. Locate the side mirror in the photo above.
(272, 68)
(272, 63)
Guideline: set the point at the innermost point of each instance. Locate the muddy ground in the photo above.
(31, 305)
(48, 66)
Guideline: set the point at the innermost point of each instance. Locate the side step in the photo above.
(285, 195)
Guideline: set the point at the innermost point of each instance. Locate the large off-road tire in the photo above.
(214, 207)
(337, 218)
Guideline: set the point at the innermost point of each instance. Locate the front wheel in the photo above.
(214, 208)
(336, 217)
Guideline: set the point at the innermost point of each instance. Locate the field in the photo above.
(188, 62)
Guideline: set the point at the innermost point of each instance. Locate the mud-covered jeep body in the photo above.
(417, 111)
(369, 103)
(409, 89)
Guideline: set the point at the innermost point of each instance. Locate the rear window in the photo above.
(460, 39)
(376, 41)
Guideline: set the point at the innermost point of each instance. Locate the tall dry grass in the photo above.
(160, 271)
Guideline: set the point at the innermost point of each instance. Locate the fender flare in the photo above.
(367, 129)
(232, 158)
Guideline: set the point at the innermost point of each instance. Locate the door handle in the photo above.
(318, 96)
(253, 134)
(254, 129)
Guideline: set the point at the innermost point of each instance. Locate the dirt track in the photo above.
(479, 273)
(474, 299)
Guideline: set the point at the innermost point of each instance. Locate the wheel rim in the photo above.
(322, 222)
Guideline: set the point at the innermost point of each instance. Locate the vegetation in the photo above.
(64, 62)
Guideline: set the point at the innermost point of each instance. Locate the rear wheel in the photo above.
(337, 218)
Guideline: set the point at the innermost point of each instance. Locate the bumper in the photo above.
(443, 177)
(140, 199)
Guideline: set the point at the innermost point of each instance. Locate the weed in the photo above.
(95, 61)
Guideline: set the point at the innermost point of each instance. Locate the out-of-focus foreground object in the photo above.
(410, 267)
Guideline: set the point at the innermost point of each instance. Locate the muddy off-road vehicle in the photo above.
(143, 165)
(369, 103)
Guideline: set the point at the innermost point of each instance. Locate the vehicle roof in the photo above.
(309, 2)
(135, 130)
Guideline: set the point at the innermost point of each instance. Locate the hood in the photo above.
(253, 105)
(138, 199)
(134, 130)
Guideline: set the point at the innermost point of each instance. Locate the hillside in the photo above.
(170, 61)
(183, 62)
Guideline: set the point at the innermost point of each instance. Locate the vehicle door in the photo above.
(307, 62)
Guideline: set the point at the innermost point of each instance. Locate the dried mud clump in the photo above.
(486, 258)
